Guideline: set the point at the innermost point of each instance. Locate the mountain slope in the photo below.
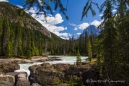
(16, 14)
(21, 35)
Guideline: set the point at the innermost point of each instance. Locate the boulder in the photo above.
(46, 66)
(7, 80)
(33, 68)
(9, 67)
(35, 71)
(21, 80)
(15, 73)
(47, 75)
(44, 74)
(32, 75)
(35, 84)
(78, 63)
(47, 80)
(61, 67)
(75, 70)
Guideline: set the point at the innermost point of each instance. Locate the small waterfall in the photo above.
(24, 68)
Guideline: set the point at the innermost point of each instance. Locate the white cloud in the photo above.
(78, 33)
(75, 28)
(64, 34)
(3, 0)
(52, 20)
(83, 26)
(40, 2)
(114, 10)
(101, 15)
(72, 24)
(51, 23)
(32, 10)
(96, 23)
(19, 6)
(66, 38)
(55, 20)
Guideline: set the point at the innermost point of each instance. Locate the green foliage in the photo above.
(24, 41)
(36, 51)
(21, 12)
(78, 56)
(71, 82)
(111, 45)
(46, 5)
(89, 51)
(18, 41)
(9, 49)
(20, 51)
(87, 7)
(56, 83)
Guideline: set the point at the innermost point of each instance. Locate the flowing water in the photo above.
(64, 59)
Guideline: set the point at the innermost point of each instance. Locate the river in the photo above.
(64, 59)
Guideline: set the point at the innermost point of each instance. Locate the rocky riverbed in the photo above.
(48, 75)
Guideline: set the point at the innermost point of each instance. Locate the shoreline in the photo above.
(20, 60)
(32, 60)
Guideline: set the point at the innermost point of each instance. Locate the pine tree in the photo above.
(86, 43)
(9, 49)
(78, 56)
(1, 26)
(89, 51)
(29, 48)
(5, 36)
(20, 51)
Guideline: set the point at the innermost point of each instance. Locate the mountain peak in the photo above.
(90, 29)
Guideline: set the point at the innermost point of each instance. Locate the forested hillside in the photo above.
(20, 34)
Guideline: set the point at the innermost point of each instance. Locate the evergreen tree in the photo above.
(20, 51)
(9, 49)
(78, 56)
(5, 36)
(89, 51)
(29, 47)
(86, 43)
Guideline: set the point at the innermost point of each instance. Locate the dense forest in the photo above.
(16, 40)
(22, 36)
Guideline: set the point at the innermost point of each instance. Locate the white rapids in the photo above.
(64, 59)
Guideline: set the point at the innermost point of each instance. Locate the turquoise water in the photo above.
(64, 59)
(67, 59)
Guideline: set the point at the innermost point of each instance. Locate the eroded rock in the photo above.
(9, 67)
(22, 80)
(7, 80)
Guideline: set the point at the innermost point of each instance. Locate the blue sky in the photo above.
(57, 23)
